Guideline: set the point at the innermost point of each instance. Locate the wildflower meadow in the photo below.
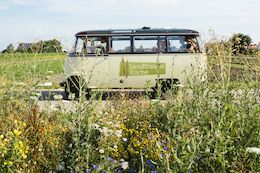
(212, 126)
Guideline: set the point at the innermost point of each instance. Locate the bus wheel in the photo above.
(165, 88)
(72, 87)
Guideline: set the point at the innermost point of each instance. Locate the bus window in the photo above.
(120, 44)
(91, 45)
(80, 46)
(97, 45)
(176, 44)
(182, 44)
(146, 44)
(161, 44)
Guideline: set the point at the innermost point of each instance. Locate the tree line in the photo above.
(47, 46)
(236, 45)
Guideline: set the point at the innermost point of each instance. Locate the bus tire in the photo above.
(72, 87)
(164, 88)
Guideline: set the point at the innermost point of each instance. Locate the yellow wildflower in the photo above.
(24, 156)
(21, 143)
(5, 141)
(1, 136)
(8, 163)
(11, 133)
(17, 132)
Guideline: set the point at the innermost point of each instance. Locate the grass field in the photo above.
(20, 66)
(208, 128)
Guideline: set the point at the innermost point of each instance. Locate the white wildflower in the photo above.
(124, 139)
(58, 97)
(33, 98)
(124, 165)
(38, 94)
(95, 126)
(60, 167)
(253, 150)
(115, 147)
(50, 72)
(119, 133)
(45, 84)
(104, 130)
(101, 151)
(19, 84)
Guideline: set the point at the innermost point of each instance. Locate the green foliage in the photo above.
(22, 66)
(30, 141)
(48, 46)
(51, 46)
(9, 49)
(240, 43)
(237, 44)
(203, 128)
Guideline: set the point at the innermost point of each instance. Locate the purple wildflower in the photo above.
(131, 170)
(115, 161)
(150, 163)
(95, 167)
(165, 148)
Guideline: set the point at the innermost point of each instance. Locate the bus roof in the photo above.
(143, 31)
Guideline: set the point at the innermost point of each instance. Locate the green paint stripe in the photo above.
(141, 68)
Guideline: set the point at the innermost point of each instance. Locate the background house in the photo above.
(25, 47)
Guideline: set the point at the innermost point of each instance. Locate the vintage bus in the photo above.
(133, 59)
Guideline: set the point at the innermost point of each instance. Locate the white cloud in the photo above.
(23, 2)
(157, 2)
(63, 18)
(2, 8)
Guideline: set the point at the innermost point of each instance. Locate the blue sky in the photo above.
(33, 20)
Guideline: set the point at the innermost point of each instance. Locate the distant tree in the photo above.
(9, 49)
(48, 46)
(52, 46)
(240, 43)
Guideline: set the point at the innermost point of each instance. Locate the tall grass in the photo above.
(205, 127)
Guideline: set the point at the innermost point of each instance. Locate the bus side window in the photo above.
(120, 44)
(101, 46)
(184, 44)
(176, 44)
(192, 44)
(81, 45)
(147, 44)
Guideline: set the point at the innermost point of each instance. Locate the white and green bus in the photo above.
(133, 59)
